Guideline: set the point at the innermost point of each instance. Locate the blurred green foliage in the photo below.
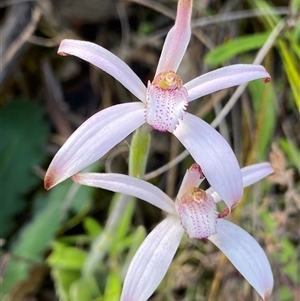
(23, 135)
(262, 96)
(27, 249)
(232, 48)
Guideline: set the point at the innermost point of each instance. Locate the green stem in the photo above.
(139, 151)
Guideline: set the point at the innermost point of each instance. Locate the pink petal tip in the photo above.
(50, 180)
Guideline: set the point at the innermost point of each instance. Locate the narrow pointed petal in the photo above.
(246, 255)
(223, 78)
(151, 262)
(255, 172)
(177, 39)
(128, 185)
(250, 174)
(214, 155)
(93, 139)
(106, 61)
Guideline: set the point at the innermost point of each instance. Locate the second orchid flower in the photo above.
(193, 212)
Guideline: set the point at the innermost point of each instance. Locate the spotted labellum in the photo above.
(166, 101)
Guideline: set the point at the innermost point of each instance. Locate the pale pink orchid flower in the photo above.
(195, 213)
(163, 105)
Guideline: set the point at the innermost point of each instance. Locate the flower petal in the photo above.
(246, 255)
(223, 78)
(151, 262)
(255, 172)
(128, 185)
(214, 155)
(93, 139)
(106, 61)
(177, 39)
(250, 174)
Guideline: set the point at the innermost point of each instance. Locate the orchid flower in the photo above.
(193, 212)
(163, 105)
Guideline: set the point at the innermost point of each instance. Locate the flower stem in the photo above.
(139, 150)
